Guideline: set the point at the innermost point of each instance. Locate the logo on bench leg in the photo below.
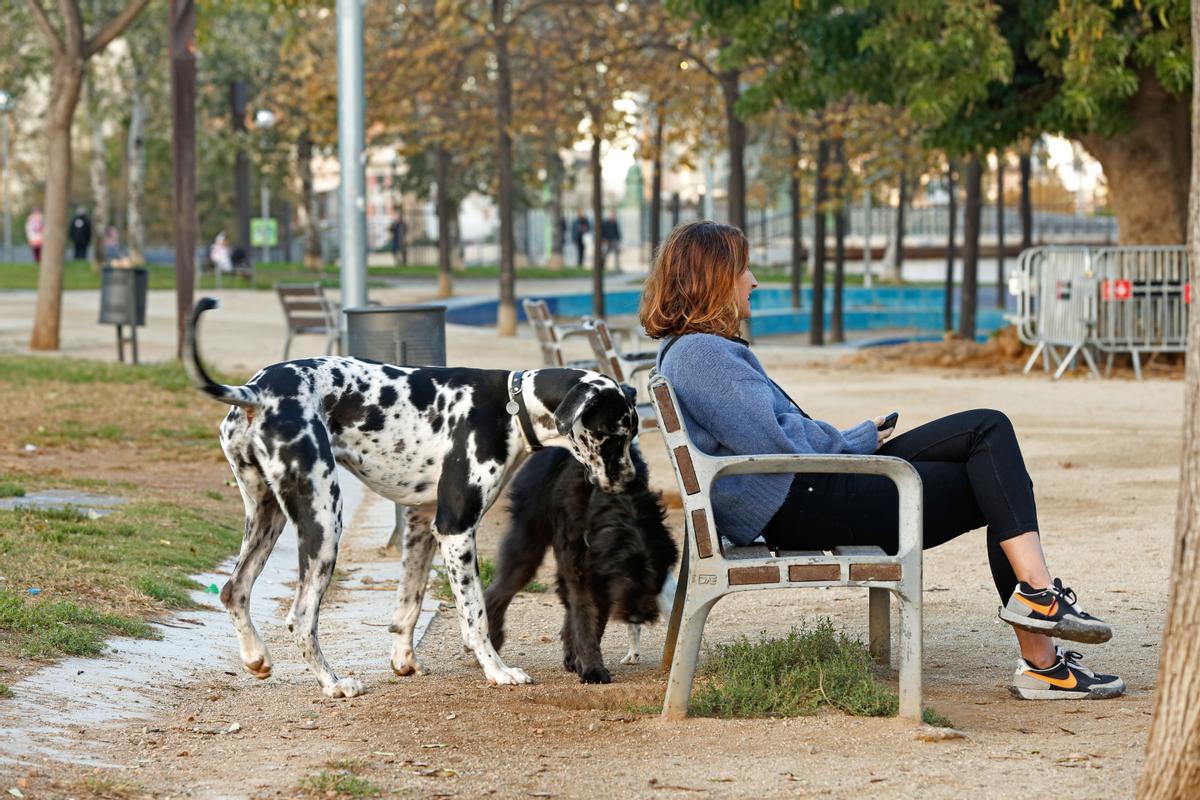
(706, 579)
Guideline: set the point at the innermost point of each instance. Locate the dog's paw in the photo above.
(410, 667)
(346, 687)
(632, 657)
(595, 675)
(509, 676)
(260, 667)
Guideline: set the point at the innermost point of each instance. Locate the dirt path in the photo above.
(1104, 459)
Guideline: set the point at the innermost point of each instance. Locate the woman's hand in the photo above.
(882, 434)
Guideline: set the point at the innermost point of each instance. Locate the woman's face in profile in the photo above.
(744, 286)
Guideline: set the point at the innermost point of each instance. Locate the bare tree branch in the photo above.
(73, 24)
(114, 28)
(39, 13)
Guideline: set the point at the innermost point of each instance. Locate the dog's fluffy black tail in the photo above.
(244, 396)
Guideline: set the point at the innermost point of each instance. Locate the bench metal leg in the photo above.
(287, 345)
(676, 608)
(880, 625)
(910, 649)
(687, 653)
(1037, 351)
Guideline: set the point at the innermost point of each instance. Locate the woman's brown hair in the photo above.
(690, 288)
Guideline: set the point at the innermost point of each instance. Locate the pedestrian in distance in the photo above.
(972, 472)
(610, 238)
(81, 233)
(580, 228)
(399, 233)
(35, 231)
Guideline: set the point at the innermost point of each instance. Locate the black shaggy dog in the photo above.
(614, 555)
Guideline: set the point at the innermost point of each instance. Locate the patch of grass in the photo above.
(73, 430)
(334, 784)
(8, 489)
(49, 628)
(5, 691)
(440, 585)
(213, 494)
(105, 574)
(931, 717)
(109, 789)
(792, 676)
(25, 369)
(354, 766)
(644, 709)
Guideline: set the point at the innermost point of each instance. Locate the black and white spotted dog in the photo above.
(439, 441)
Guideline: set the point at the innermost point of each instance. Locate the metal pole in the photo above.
(8, 253)
(352, 195)
(867, 240)
(265, 195)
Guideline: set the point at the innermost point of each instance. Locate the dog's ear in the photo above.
(572, 407)
(630, 394)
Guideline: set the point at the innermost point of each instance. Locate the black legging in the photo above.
(972, 475)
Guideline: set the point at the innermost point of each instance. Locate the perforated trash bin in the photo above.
(123, 296)
(407, 336)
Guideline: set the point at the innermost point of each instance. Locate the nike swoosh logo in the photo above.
(1041, 609)
(1066, 683)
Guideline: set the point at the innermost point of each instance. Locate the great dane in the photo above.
(440, 441)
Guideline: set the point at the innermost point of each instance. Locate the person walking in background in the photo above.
(219, 254)
(35, 229)
(112, 243)
(610, 240)
(399, 233)
(580, 228)
(81, 233)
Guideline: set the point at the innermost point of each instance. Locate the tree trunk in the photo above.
(898, 256)
(1026, 200)
(974, 214)
(816, 328)
(948, 304)
(506, 313)
(445, 208)
(135, 156)
(598, 253)
(736, 134)
(1172, 769)
(183, 149)
(837, 323)
(797, 223)
(98, 172)
(1147, 167)
(310, 216)
(557, 238)
(241, 166)
(1000, 229)
(65, 82)
(656, 181)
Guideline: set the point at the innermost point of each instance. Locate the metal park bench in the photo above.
(624, 368)
(711, 568)
(307, 310)
(550, 335)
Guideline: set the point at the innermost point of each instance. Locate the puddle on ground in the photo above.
(89, 505)
(58, 712)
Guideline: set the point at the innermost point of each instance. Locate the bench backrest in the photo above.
(305, 306)
(684, 456)
(538, 314)
(602, 344)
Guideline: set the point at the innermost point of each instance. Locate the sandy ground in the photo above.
(1104, 460)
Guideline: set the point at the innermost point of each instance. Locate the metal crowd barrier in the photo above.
(1100, 300)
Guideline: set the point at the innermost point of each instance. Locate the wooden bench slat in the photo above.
(747, 551)
(744, 576)
(307, 322)
(814, 572)
(670, 418)
(686, 469)
(801, 554)
(874, 572)
(704, 547)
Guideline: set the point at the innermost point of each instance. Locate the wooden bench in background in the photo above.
(308, 310)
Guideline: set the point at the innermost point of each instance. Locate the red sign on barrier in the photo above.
(1116, 290)
(1187, 293)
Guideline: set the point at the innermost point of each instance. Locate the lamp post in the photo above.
(7, 103)
(264, 120)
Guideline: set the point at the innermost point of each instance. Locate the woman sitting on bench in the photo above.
(970, 463)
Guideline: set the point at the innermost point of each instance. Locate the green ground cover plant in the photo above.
(797, 675)
(440, 586)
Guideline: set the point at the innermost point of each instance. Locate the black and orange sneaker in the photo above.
(1053, 612)
(1068, 679)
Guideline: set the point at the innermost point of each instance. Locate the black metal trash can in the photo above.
(123, 302)
(407, 336)
(123, 296)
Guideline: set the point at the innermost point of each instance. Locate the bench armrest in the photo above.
(899, 471)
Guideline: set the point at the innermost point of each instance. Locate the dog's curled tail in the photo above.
(244, 396)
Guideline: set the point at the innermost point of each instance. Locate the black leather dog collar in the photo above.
(516, 407)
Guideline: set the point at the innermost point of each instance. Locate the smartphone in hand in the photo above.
(889, 421)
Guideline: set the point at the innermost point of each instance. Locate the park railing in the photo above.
(1088, 301)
